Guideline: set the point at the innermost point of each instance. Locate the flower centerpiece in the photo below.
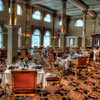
(25, 60)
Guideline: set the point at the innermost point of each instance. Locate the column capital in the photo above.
(62, 33)
(93, 18)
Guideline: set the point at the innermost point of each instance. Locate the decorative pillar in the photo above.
(63, 29)
(84, 28)
(12, 32)
(28, 25)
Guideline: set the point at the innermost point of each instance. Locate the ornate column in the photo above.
(63, 29)
(12, 32)
(84, 28)
(28, 25)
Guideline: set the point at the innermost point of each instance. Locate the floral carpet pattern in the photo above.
(87, 87)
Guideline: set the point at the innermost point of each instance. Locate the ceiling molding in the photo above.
(44, 8)
(78, 4)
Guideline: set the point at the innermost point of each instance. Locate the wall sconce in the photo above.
(27, 35)
(54, 37)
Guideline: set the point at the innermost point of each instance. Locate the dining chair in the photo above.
(82, 63)
(55, 76)
(24, 83)
(51, 60)
(91, 55)
(60, 54)
(98, 56)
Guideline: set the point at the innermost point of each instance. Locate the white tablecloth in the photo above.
(61, 62)
(95, 53)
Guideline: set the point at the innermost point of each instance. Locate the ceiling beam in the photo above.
(82, 6)
(78, 4)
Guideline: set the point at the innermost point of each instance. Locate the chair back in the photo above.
(24, 53)
(63, 69)
(24, 79)
(60, 54)
(99, 52)
(82, 60)
(51, 58)
(91, 55)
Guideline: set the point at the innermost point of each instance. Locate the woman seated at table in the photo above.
(24, 54)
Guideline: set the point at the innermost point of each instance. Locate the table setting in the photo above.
(22, 65)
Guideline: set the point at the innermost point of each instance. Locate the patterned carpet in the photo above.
(87, 87)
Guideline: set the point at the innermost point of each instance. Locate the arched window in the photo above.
(19, 10)
(47, 39)
(1, 6)
(1, 37)
(79, 23)
(36, 15)
(36, 38)
(19, 37)
(47, 18)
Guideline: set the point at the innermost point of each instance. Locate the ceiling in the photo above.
(74, 7)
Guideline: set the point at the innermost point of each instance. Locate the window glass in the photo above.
(9, 10)
(79, 23)
(19, 10)
(60, 23)
(1, 6)
(36, 15)
(36, 38)
(47, 18)
(71, 41)
(47, 39)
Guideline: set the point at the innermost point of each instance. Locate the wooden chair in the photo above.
(51, 61)
(91, 55)
(60, 54)
(24, 54)
(82, 63)
(98, 56)
(55, 76)
(24, 83)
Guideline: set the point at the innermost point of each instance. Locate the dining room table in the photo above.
(7, 75)
(70, 60)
